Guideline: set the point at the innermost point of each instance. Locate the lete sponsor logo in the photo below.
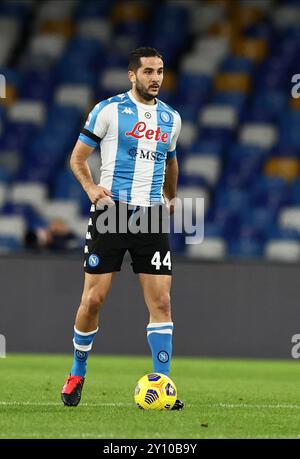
(140, 130)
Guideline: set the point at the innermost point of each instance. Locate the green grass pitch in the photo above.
(223, 399)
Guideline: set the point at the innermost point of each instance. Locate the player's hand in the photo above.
(99, 194)
(170, 204)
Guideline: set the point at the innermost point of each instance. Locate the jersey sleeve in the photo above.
(96, 125)
(177, 128)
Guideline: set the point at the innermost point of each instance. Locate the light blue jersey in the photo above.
(136, 140)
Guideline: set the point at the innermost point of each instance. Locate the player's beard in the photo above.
(142, 91)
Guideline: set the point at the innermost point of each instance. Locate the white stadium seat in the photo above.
(286, 250)
(29, 193)
(207, 166)
(47, 45)
(188, 134)
(208, 249)
(98, 29)
(218, 116)
(115, 79)
(13, 226)
(289, 217)
(28, 111)
(261, 134)
(74, 95)
(67, 210)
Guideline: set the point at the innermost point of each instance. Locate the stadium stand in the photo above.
(229, 70)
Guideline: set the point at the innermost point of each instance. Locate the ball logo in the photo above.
(94, 260)
(80, 355)
(165, 117)
(163, 356)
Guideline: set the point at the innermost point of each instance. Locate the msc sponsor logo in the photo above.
(148, 155)
(140, 131)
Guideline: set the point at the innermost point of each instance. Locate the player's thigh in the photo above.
(96, 286)
(156, 288)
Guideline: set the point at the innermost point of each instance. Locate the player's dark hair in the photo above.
(135, 56)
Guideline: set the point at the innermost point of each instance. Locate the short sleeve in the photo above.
(96, 125)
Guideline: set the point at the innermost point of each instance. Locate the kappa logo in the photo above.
(128, 111)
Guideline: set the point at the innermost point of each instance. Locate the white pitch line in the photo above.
(60, 404)
(257, 406)
(121, 404)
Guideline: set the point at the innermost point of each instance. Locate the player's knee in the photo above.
(163, 305)
(93, 302)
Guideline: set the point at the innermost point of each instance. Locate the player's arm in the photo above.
(171, 177)
(82, 172)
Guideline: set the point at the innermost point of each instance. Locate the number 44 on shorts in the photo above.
(157, 263)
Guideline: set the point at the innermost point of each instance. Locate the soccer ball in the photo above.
(155, 391)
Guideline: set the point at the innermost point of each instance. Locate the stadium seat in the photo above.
(79, 96)
(96, 28)
(287, 168)
(66, 209)
(218, 116)
(289, 217)
(188, 134)
(13, 226)
(10, 244)
(206, 166)
(208, 249)
(27, 112)
(29, 193)
(284, 251)
(115, 80)
(230, 81)
(263, 135)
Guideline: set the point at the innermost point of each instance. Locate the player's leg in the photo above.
(96, 288)
(156, 290)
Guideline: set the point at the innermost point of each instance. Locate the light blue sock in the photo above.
(159, 337)
(83, 344)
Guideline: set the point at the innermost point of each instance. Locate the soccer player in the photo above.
(137, 133)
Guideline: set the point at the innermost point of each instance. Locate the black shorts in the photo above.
(143, 231)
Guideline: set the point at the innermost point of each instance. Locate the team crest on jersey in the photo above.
(165, 117)
(94, 260)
